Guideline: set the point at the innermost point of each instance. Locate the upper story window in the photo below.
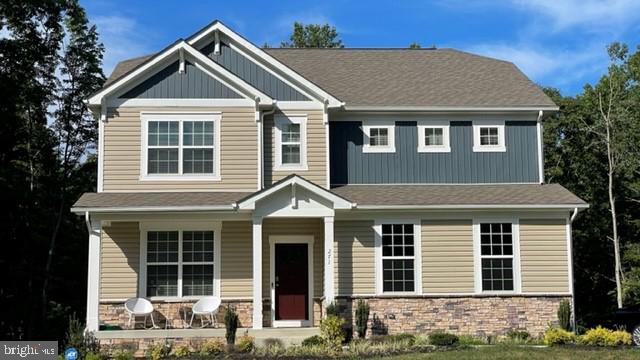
(180, 146)
(488, 136)
(433, 137)
(397, 257)
(497, 256)
(378, 138)
(291, 147)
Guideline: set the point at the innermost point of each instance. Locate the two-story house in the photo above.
(283, 180)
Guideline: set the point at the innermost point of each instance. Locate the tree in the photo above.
(415, 45)
(313, 36)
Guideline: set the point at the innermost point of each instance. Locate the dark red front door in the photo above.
(291, 282)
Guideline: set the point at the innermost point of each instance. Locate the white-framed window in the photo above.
(291, 142)
(398, 257)
(180, 146)
(433, 136)
(179, 262)
(488, 136)
(378, 137)
(497, 256)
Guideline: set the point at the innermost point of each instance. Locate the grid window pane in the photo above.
(162, 280)
(496, 250)
(434, 136)
(162, 161)
(489, 136)
(197, 280)
(163, 133)
(291, 154)
(397, 275)
(197, 161)
(291, 133)
(197, 133)
(497, 274)
(398, 257)
(378, 137)
(496, 239)
(162, 246)
(197, 246)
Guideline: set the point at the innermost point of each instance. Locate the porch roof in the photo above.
(157, 201)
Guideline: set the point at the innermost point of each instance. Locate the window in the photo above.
(433, 137)
(378, 138)
(180, 146)
(181, 263)
(498, 261)
(398, 257)
(488, 136)
(290, 143)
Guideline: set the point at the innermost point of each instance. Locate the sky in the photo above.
(558, 43)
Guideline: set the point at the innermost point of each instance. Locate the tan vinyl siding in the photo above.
(236, 258)
(316, 149)
(314, 227)
(119, 260)
(354, 257)
(238, 157)
(543, 256)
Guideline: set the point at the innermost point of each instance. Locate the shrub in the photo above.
(564, 315)
(331, 330)
(122, 354)
(158, 351)
(470, 340)
(557, 336)
(441, 338)
(332, 310)
(245, 344)
(408, 339)
(231, 324)
(518, 335)
(181, 351)
(315, 340)
(92, 356)
(76, 337)
(212, 347)
(362, 317)
(600, 336)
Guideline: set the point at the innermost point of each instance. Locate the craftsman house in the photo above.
(283, 180)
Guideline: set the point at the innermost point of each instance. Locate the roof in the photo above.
(404, 77)
(499, 195)
(364, 196)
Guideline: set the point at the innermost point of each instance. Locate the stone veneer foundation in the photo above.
(478, 315)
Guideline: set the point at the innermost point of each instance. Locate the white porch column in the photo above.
(257, 273)
(93, 276)
(329, 286)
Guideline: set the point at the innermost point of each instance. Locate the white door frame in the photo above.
(290, 239)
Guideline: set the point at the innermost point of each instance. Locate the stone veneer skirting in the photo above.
(472, 315)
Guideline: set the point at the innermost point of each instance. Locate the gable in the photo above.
(252, 73)
(169, 83)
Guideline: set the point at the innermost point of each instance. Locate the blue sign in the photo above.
(71, 354)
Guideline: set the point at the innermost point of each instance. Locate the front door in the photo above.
(291, 282)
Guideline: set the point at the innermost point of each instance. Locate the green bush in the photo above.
(92, 356)
(76, 337)
(315, 340)
(470, 340)
(407, 338)
(362, 317)
(557, 336)
(231, 325)
(564, 315)
(122, 354)
(518, 335)
(331, 330)
(181, 351)
(600, 336)
(212, 347)
(245, 344)
(158, 351)
(332, 310)
(441, 338)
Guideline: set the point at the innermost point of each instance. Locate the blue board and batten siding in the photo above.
(168, 83)
(349, 165)
(252, 73)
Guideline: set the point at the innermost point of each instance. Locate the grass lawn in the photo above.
(514, 352)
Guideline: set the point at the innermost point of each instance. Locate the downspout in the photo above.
(570, 245)
(540, 150)
(261, 146)
(87, 221)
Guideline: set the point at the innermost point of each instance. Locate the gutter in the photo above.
(473, 206)
(450, 108)
(575, 213)
(86, 210)
(261, 146)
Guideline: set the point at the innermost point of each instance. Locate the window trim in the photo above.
(146, 117)
(279, 120)
(417, 255)
(499, 124)
(446, 139)
(477, 255)
(391, 130)
(181, 226)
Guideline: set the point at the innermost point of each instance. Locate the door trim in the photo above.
(290, 239)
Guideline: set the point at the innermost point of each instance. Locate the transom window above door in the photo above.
(488, 136)
(378, 138)
(290, 144)
(433, 136)
(180, 146)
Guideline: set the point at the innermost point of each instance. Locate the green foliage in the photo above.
(520, 335)
(212, 347)
(441, 338)
(79, 339)
(600, 336)
(313, 36)
(181, 351)
(231, 325)
(470, 340)
(92, 356)
(331, 330)
(332, 310)
(362, 317)
(557, 336)
(415, 45)
(245, 344)
(122, 354)
(564, 315)
(315, 340)
(158, 351)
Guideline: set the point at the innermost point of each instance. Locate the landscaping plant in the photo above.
(557, 336)
(245, 344)
(231, 324)
(331, 330)
(441, 338)
(158, 351)
(122, 354)
(332, 310)
(600, 336)
(362, 317)
(181, 351)
(212, 347)
(564, 315)
(76, 337)
(315, 340)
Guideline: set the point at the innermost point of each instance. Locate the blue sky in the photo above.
(560, 43)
